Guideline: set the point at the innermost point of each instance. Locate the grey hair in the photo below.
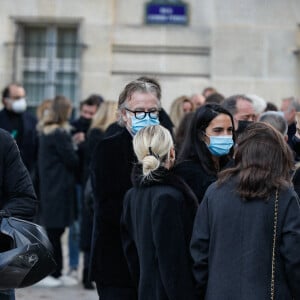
(293, 103)
(230, 103)
(259, 104)
(276, 119)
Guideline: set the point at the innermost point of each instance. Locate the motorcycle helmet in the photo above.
(25, 254)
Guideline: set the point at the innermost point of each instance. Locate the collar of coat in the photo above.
(163, 176)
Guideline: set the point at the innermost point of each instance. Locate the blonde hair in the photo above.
(105, 115)
(152, 146)
(60, 111)
(43, 109)
(176, 110)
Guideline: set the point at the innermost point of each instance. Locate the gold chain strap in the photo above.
(274, 246)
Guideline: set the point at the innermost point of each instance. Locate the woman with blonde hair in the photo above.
(43, 109)
(57, 164)
(157, 220)
(179, 107)
(105, 116)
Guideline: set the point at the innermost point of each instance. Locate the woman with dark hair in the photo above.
(207, 147)
(246, 237)
(182, 130)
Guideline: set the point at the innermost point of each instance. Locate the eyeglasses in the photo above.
(140, 115)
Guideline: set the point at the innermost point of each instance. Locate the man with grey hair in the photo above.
(289, 107)
(275, 119)
(241, 109)
(111, 166)
(259, 104)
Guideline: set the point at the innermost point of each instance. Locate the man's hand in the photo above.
(78, 138)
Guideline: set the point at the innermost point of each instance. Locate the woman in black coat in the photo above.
(157, 220)
(207, 147)
(57, 162)
(246, 237)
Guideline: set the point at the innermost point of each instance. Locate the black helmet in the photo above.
(25, 254)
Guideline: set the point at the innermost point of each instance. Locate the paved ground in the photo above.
(59, 293)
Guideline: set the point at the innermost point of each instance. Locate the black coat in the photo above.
(195, 176)
(29, 141)
(111, 167)
(94, 136)
(17, 196)
(156, 228)
(57, 162)
(232, 245)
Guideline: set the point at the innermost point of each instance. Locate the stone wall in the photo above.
(238, 46)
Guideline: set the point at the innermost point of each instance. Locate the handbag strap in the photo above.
(274, 245)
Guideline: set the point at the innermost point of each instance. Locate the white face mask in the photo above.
(19, 106)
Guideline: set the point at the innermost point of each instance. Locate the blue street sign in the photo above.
(159, 13)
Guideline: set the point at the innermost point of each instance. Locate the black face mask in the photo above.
(242, 125)
(85, 123)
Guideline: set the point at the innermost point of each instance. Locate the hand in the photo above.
(78, 138)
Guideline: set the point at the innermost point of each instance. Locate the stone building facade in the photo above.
(76, 47)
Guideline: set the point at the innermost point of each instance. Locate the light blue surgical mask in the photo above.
(137, 124)
(220, 145)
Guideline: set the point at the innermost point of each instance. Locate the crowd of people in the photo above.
(198, 204)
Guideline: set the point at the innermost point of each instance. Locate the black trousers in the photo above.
(54, 235)
(116, 293)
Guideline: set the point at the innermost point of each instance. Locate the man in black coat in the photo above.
(80, 127)
(17, 197)
(111, 167)
(19, 123)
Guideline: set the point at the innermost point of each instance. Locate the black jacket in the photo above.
(29, 141)
(195, 176)
(17, 196)
(94, 136)
(57, 162)
(232, 245)
(156, 228)
(111, 168)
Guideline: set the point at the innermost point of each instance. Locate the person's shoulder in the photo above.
(5, 136)
(3, 118)
(188, 167)
(214, 187)
(29, 116)
(289, 193)
(117, 139)
(164, 192)
(7, 142)
(217, 189)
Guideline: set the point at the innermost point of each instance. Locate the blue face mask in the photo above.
(137, 124)
(220, 145)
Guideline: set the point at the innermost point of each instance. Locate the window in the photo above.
(48, 62)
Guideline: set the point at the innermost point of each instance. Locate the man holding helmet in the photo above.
(17, 197)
